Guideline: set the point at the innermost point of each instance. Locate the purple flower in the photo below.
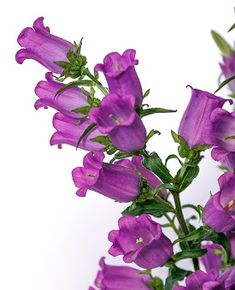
(136, 163)
(140, 240)
(119, 71)
(112, 180)
(120, 278)
(42, 46)
(195, 123)
(213, 258)
(219, 212)
(228, 69)
(117, 118)
(223, 129)
(200, 280)
(69, 131)
(64, 102)
(225, 158)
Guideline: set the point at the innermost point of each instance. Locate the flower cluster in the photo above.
(112, 125)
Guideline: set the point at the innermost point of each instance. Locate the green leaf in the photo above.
(175, 274)
(104, 140)
(157, 284)
(86, 132)
(146, 93)
(151, 111)
(183, 148)
(62, 64)
(232, 27)
(82, 110)
(188, 177)
(224, 83)
(173, 156)
(222, 44)
(151, 134)
(189, 254)
(153, 207)
(155, 164)
(195, 235)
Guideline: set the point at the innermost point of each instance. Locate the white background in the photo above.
(49, 238)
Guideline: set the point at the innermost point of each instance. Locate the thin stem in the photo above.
(183, 225)
(171, 223)
(98, 84)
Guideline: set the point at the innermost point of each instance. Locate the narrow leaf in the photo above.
(224, 83)
(189, 254)
(232, 27)
(87, 131)
(155, 164)
(192, 236)
(151, 111)
(222, 44)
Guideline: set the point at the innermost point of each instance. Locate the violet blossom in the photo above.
(120, 278)
(117, 118)
(40, 45)
(152, 179)
(140, 240)
(228, 69)
(219, 211)
(112, 180)
(200, 280)
(195, 123)
(119, 71)
(66, 101)
(213, 258)
(69, 130)
(227, 159)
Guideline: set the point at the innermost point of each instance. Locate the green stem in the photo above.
(98, 84)
(171, 223)
(182, 222)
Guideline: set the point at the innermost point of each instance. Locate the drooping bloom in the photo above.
(210, 281)
(117, 118)
(120, 278)
(228, 69)
(40, 45)
(69, 131)
(219, 212)
(225, 158)
(119, 71)
(223, 130)
(140, 240)
(195, 123)
(112, 180)
(213, 258)
(136, 163)
(66, 101)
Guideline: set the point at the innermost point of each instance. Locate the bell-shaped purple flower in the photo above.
(112, 180)
(228, 69)
(213, 258)
(69, 130)
(120, 278)
(219, 212)
(119, 71)
(40, 45)
(223, 129)
(200, 280)
(140, 240)
(136, 163)
(225, 158)
(195, 123)
(66, 101)
(117, 118)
